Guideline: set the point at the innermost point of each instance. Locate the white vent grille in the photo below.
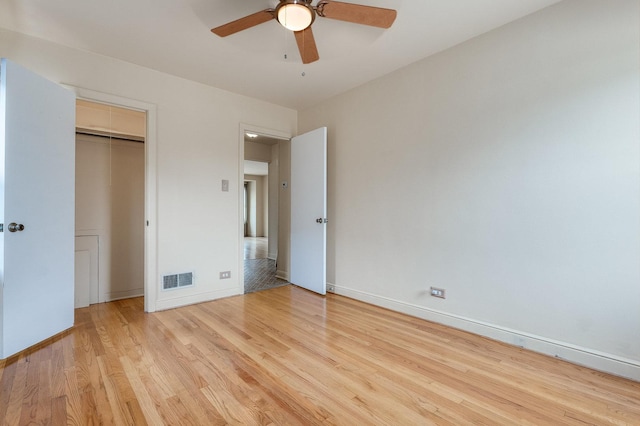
(177, 280)
(169, 281)
(185, 279)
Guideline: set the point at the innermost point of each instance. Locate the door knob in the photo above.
(15, 227)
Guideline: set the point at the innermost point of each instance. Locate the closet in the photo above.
(110, 171)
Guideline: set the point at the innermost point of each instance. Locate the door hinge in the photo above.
(1, 227)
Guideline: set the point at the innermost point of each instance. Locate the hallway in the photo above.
(259, 271)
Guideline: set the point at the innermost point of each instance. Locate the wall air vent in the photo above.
(170, 282)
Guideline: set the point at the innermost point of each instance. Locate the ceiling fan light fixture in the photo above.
(295, 15)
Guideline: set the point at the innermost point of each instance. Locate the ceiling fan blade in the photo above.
(357, 13)
(307, 46)
(244, 23)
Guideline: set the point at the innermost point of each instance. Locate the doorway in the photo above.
(260, 223)
(151, 282)
(259, 262)
(110, 182)
(150, 185)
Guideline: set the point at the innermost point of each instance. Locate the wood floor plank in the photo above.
(147, 402)
(18, 393)
(287, 356)
(76, 411)
(6, 384)
(57, 367)
(44, 392)
(110, 371)
(58, 411)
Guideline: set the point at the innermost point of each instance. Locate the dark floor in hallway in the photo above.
(259, 271)
(260, 274)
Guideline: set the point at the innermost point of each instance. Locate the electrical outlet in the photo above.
(225, 275)
(437, 292)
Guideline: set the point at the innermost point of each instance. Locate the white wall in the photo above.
(197, 147)
(507, 171)
(257, 152)
(258, 199)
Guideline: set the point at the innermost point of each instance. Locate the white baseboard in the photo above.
(176, 302)
(283, 275)
(578, 355)
(119, 295)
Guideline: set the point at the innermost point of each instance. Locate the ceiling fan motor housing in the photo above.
(295, 15)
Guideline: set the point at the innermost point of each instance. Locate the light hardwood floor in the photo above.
(286, 356)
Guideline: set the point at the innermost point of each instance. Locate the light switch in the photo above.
(225, 185)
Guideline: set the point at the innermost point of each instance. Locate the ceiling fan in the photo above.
(298, 15)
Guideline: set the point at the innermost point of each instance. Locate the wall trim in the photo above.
(587, 357)
(119, 295)
(176, 302)
(150, 185)
(283, 275)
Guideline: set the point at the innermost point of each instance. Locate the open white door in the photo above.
(309, 210)
(37, 156)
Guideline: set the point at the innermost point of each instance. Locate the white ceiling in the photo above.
(174, 36)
